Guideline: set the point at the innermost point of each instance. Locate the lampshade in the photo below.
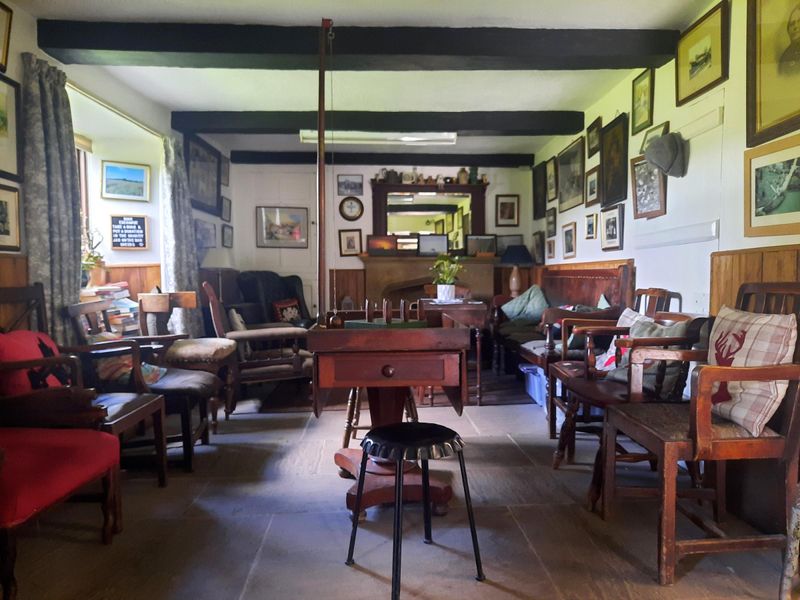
(516, 255)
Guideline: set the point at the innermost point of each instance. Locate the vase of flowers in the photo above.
(446, 268)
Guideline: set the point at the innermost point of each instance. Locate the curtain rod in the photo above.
(114, 109)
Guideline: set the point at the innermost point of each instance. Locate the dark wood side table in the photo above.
(389, 363)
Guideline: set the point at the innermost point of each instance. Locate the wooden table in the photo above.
(389, 363)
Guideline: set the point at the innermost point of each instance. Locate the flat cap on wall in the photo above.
(670, 153)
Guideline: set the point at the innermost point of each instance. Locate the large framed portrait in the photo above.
(642, 100)
(614, 161)
(773, 69)
(552, 179)
(203, 165)
(570, 175)
(772, 188)
(649, 188)
(9, 218)
(701, 59)
(10, 135)
(539, 191)
(611, 227)
(281, 227)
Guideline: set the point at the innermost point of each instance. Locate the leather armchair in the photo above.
(260, 289)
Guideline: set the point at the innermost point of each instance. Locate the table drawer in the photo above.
(377, 369)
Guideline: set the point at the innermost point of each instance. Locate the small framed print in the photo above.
(226, 209)
(9, 218)
(593, 137)
(642, 100)
(551, 248)
(10, 135)
(125, 181)
(281, 227)
(569, 239)
(350, 185)
(649, 189)
(227, 236)
(538, 247)
(506, 210)
(5, 35)
(551, 171)
(432, 245)
(701, 59)
(550, 222)
(653, 133)
(382, 245)
(225, 171)
(349, 242)
(481, 245)
(611, 227)
(593, 186)
(205, 234)
(591, 226)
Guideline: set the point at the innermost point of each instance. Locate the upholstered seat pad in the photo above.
(187, 383)
(269, 333)
(210, 350)
(279, 353)
(42, 466)
(119, 405)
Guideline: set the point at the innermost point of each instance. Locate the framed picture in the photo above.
(614, 161)
(5, 35)
(506, 210)
(481, 245)
(539, 191)
(551, 171)
(448, 222)
(227, 236)
(611, 227)
(281, 227)
(550, 222)
(10, 138)
(591, 226)
(226, 209)
(349, 242)
(642, 100)
(504, 241)
(570, 176)
(129, 232)
(459, 219)
(593, 137)
(772, 188)
(773, 69)
(225, 171)
(350, 185)
(438, 226)
(432, 245)
(125, 181)
(551, 248)
(593, 186)
(538, 247)
(205, 234)
(9, 218)
(653, 133)
(649, 187)
(408, 244)
(382, 245)
(701, 59)
(569, 239)
(203, 166)
(466, 223)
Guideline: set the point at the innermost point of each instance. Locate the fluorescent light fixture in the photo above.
(433, 138)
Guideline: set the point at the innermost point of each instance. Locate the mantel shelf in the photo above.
(406, 258)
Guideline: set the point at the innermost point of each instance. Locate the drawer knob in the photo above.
(388, 371)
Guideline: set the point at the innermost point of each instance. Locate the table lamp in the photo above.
(516, 255)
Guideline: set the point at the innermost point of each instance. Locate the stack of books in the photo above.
(123, 313)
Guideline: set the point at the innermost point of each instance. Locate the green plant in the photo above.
(90, 257)
(446, 268)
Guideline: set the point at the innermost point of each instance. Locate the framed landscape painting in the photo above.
(125, 181)
(281, 227)
(203, 165)
(649, 188)
(614, 161)
(570, 175)
(772, 188)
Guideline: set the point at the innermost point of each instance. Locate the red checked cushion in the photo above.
(287, 310)
(27, 345)
(43, 466)
(745, 339)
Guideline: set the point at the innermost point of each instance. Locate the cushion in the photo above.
(28, 345)
(286, 310)
(608, 360)
(118, 368)
(745, 339)
(210, 350)
(603, 302)
(529, 305)
(238, 324)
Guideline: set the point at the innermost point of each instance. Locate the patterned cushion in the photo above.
(118, 368)
(238, 324)
(28, 345)
(608, 360)
(208, 350)
(287, 310)
(745, 339)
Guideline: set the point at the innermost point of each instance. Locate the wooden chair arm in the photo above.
(68, 360)
(592, 330)
(555, 315)
(652, 342)
(52, 407)
(159, 339)
(568, 327)
(270, 334)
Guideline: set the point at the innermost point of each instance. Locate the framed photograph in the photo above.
(481, 245)
(551, 248)
(642, 100)
(593, 186)
(611, 227)
(350, 185)
(9, 218)
(10, 136)
(349, 242)
(570, 176)
(649, 187)
(125, 181)
(227, 236)
(205, 234)
(459, 219)
(701, 59)
(129, 232)
(550, 222)
(538, 247)
(225, 171)
(203, 164)
(504, 241)
(432, 245)
(539, 191)
(281, 227)
(773, 69)
(591, 226)
(614, 161)
(226, 209)
(438, 226)
(382, 245)
(408, 244)
(551, 171)
(5, 35)
(593, 137)
(448, 222)
(569, 236)
(506, 210)
(466, 223)
(772, 188)
(653, 133)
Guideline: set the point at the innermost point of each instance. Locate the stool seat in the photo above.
(412, 441)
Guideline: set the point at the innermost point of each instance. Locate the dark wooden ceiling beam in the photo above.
(254, 157)
(355, 48)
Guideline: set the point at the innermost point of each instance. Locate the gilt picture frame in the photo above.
(702, 55)
(642, 100)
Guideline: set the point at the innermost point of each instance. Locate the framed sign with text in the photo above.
(129, 232)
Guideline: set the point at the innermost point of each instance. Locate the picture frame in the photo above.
(653, 133)
(506, 210)
(551, 173)
(550, 222)
(702, 54)
(551, 248)
(649, 189)
(9, 219)
(433, 245)
(5, 31)
(642, 100)
(381, 245)
(590, 230)
(227, 208)
(458, 220)
(438, 226)
(349, 185)
(538, 247)
(504, 241)
(10, 132)
(466, 223)
(129, 232)
(408, 244)
(225, 171)
(612, 227)
(571, 162)
(614, 161)
(481, 245)
(773, 70)
(281, 227)
(448, 222)
(772, 188)
(569, 240)
(593, 137)
(205, 234)
(227, 236)
(349, 242)
(124, 181)
(592, 188)
(539, 191)
(203, 165)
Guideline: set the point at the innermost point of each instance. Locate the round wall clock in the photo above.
(351, 208)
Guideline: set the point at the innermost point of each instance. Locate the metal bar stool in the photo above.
(411, 441)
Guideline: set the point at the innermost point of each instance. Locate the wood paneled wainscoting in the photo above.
(13, 273)
(140, 277)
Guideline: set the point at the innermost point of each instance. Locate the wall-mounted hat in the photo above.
(670, 153)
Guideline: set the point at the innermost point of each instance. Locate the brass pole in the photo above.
(321, 268)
